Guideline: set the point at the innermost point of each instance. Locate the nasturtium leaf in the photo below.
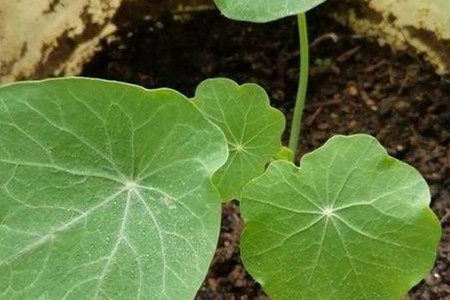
(105, 192)
(350, 223)
(264, 10)
(252, 127)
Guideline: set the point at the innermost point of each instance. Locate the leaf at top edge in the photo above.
(264, 10)
(105, 192)
(350, 223)
(253, 130)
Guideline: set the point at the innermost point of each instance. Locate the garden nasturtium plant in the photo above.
(105, 192)
(109, 191)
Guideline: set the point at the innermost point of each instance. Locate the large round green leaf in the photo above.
(105, 192)
(252, 127)
(264, 10)
(350, 223)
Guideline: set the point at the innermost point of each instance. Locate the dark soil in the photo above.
(356, 86)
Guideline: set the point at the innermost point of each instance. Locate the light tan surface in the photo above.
(423, 26)
(40, 38)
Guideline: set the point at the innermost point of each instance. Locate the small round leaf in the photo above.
(105, 192)
(252, 127)
(264, 10)
(350, 223)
